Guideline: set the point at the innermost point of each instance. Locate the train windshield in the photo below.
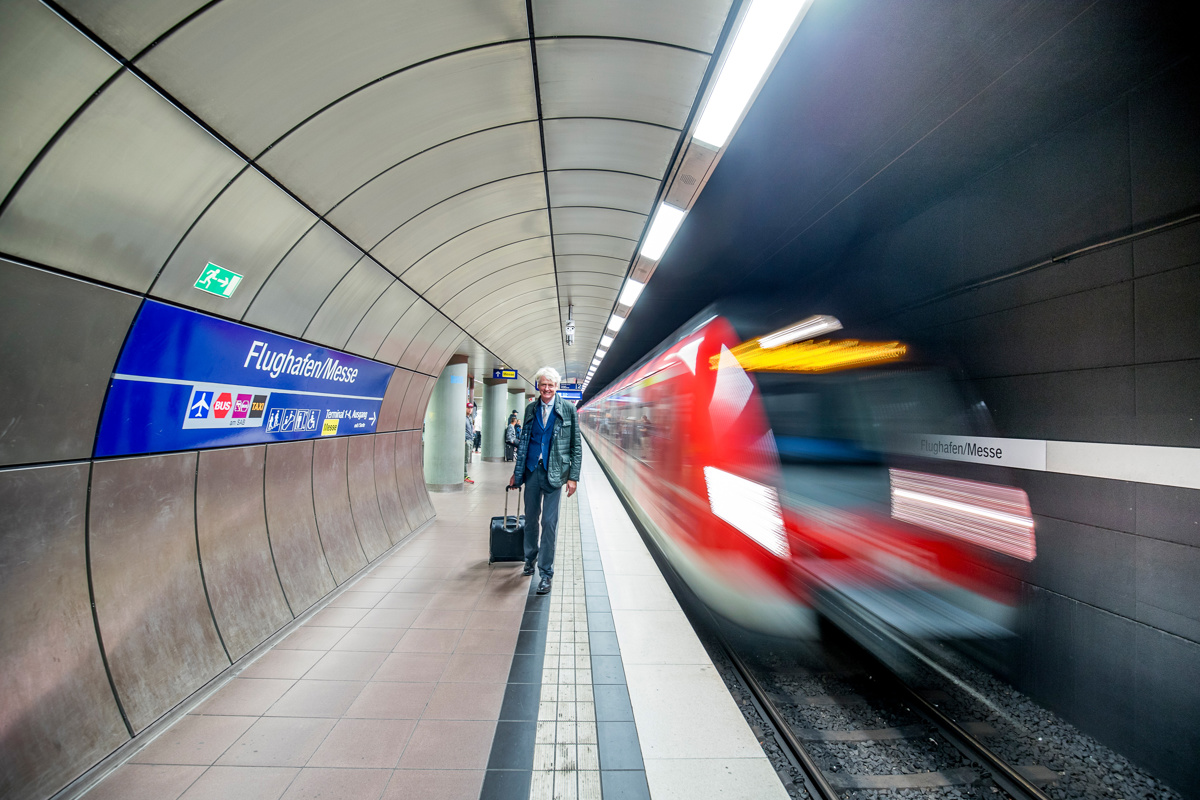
(835, 432)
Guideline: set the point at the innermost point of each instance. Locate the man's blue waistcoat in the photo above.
(539, 439)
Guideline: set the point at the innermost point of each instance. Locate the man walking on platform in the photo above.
(549, 454)
(470, 446)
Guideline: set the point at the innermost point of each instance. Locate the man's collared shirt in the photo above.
(546, 409)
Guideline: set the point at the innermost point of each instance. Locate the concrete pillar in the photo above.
(516, 402)
(445, 422)
(495, 418)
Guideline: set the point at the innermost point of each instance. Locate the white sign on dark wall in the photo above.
(1017, 453)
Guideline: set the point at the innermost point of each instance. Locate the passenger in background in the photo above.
(512, 435)
(470, 444)
(549, 454)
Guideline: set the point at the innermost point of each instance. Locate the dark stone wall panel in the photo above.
(1177, 247)
(154, 618)
(391, 503)
(1095, 405)
(1169, 513)
(1093, 565)
(1168, 594)
(332, 502)
(1167, 686)
(1167, 315)
(364, 500)
(58, 713)
(292, 524)
(60, 338)
(1168, 404)
(1164, 128)
(239, 571)
(1091, 501)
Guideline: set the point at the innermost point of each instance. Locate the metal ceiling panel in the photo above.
(282, 62)
(347, 303)
(426, 232)
(302, 281)
(130, 25)
(696, 24)
(602, 264)
(380, 319)
(486, 316)
(418, 352)
(441, 349)
(497, 285)
(579, 187)
(474, 243)
(248, 229)
(420, 336)
(420, 183)
(611, 145)
(600, 221)
(356, 139)
(47, 69)
(532, 256)
(117, 192)
(402, 332)
(619, 80)
(583, 244)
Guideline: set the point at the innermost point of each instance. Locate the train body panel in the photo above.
(774, 495)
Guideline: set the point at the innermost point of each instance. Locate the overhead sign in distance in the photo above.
(574, 397)
(186, 380)
(218, 280)
(504, 374)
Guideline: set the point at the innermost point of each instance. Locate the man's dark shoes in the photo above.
(528, 569)
(544, 586)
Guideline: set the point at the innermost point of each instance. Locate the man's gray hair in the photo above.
(547, 372)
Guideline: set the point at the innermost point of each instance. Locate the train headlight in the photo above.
(748, 506)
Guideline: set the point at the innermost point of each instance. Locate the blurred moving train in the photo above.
(776, 476)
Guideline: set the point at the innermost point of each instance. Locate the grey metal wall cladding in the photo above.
(337, 317)
(47, 69)
(408, 471)
(389, 411)
(360, 474)
(156, 625)
(391, 506)
(60, 338)
(130, 26)
(332, 502)
(231, 526)
(410, 417)
(115, 194)
(379, 320)
(58, 715)
(416, 460)
(292, 525)
(249, 229)
(419, 348)
(300, 283)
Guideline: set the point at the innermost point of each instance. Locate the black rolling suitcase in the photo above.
(506, 537)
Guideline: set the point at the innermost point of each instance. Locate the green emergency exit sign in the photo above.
(218, 280)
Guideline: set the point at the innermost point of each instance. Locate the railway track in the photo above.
(860, 731)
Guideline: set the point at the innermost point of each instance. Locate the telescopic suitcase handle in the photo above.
(508, 489)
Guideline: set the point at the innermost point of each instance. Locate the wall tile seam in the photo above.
(1110, 613)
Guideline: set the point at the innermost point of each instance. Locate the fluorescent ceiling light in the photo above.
(804, 329)
(602, 352)
(662, 230)
(606, 341)
(631, 292)
(754, 47)
(615, 323)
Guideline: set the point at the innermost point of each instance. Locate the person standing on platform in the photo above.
(549, 455)
(470, 446)
(512, 435)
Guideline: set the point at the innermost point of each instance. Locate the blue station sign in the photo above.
(504, 374)
(187, 380)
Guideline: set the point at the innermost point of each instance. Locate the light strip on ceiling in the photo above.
(631, 292)
(666, 221)
(615, 323)
(755, 46)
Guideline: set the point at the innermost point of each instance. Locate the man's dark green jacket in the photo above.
(566, 445)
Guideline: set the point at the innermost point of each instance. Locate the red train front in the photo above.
(776, 477)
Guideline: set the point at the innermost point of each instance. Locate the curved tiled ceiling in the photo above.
(399, 179)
